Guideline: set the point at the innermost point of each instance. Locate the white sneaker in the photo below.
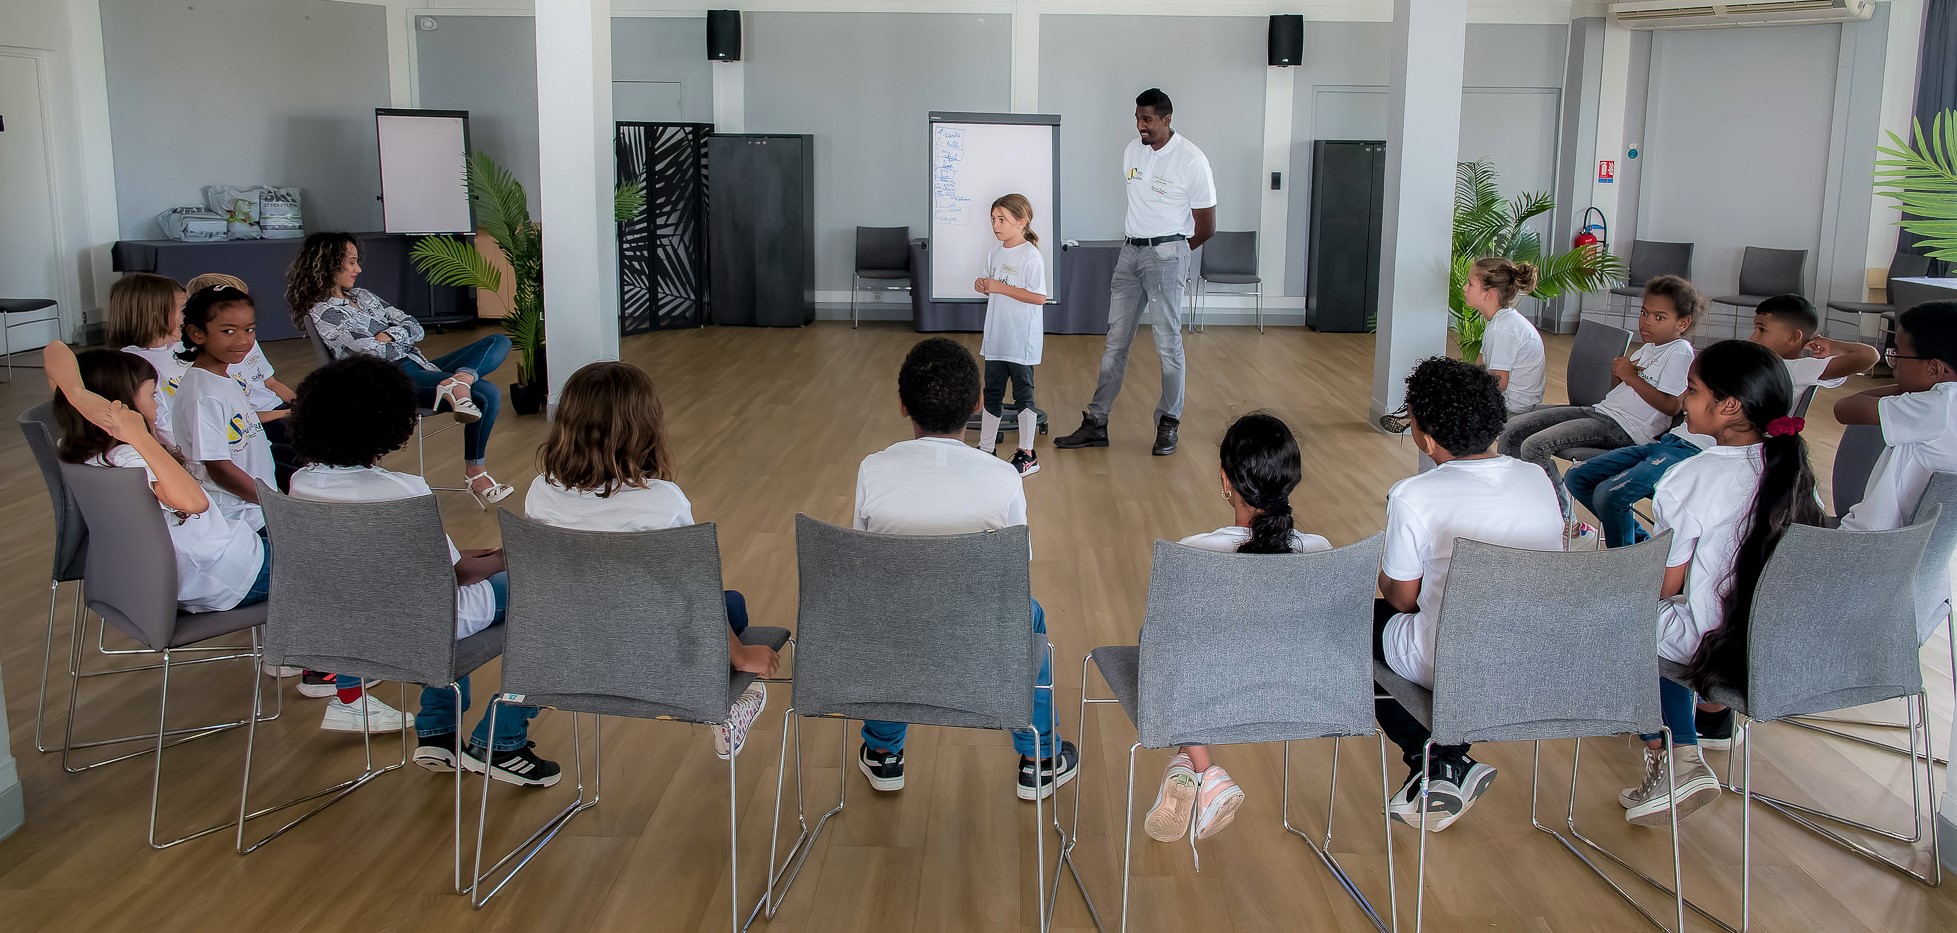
(274, 670)
(727, 742)
(367, 714)
(1646, 804)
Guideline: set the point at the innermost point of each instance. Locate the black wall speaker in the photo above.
(1287, 39)
(724, 36)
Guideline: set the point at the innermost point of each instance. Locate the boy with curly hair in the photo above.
(1457, 412)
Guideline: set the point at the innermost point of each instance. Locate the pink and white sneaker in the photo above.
(1168, 819)
(727, 741)
(1217, 799)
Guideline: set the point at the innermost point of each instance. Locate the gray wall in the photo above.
(482, 64)
(1091, 68)
(238, 92)
(864, 84)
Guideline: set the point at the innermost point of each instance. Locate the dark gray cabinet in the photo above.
(1348, 191)
(761, 229)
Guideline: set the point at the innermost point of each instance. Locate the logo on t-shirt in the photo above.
(238, 430)
(1134, 173)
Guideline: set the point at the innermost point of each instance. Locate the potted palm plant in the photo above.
(1923, 181)
(1486, 224)
(503, 212)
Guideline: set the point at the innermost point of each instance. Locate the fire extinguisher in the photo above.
(1585, 238)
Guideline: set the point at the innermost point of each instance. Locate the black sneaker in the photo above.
(885, 771)
(317, 685)
(1165, 436)
(519, 766)
(1054, 772)
(436, 752)
(1092, 432)
(1395, 423)
(1027, 464)
(1715, 729)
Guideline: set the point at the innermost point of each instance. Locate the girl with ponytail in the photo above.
(1727, 509)
(1015, 290)
(1260, 467)
(1510, 346)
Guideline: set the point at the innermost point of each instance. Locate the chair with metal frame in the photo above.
(131, 582)
(324, 355)
(883, 254)
(13, 306)
(626, 624)
(966, 656)
(398, 624)
(1229, 258)
(1293, 668)
(1584, 670)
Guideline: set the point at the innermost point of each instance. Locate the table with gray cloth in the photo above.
(1085, 273)
(384, 270)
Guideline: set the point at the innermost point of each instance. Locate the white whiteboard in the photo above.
(976, 158)
(423, 154)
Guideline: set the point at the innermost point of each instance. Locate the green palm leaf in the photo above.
(628, 201)
(501, 205)
(446, 261)
(1922, 180)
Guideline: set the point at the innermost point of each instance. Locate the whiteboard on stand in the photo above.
(976, 158)
(424, 154)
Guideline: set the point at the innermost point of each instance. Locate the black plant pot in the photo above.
(528, 399)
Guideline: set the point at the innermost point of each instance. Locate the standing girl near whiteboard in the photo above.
(1015, 324)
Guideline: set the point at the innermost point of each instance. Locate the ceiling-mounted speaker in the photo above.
(724, 35)
(1287, 43)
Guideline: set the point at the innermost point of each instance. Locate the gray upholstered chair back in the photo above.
(1834, 620)
(1587, 376)
(928, 629)
(1653, 258)
(1766, 271)
(361, 588)
(139, 595)
(37, 424)
(321, 352)
(616, 623)
(883, 250)
(1257, 647)
(1801, 404)
(1230, 253)
(1548, 644)
(1933, 576)
(1855, 457)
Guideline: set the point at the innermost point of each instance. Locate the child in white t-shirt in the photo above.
(1015, 289)
(1726, 508)
(934, 484)
(1643, 398)
(1456, 412)
(607, 466)
(212, 418)
(1510, 346)
(1260, 468)
(269, 396)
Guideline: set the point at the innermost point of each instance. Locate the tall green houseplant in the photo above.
(1486, 224)
(1923, 181)
(503, 212)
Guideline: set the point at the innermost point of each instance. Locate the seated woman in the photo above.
(319, 289)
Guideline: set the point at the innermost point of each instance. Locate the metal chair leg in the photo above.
(782, 875)
(1259, 296)
(1128, 837)
(47, 658)
(1324, 849)
(162, 730)
(852, 301)
(1676, 890)
(1071, 837)
(186, 733)
(542, 836)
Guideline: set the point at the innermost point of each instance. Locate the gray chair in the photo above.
(1585, 669)
(965, 655)
(1587, 375)
(615, 624)
(1229, 258)
(1651, 259)
(323, 355)
(45, 310)
(1855, 457)
(883, 255)
(1833, 626)
(1764, 273)
(397, 625)
(131, 582)
(1292, 667)
(1901, 266)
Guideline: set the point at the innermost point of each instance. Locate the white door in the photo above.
(29, 255)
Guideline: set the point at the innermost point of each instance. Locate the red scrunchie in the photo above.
(1781, 427)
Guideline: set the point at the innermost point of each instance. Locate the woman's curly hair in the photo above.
(1456, 403)
(353, 411)
(309, 280)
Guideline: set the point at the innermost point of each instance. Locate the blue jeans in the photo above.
(261, 588)
(1611, 484)
(736, 610)
(1681, 709)
(890, 735)
(478, 359)
(439, 714)
(1148, 278)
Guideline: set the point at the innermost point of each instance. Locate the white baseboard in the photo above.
(1219, 309)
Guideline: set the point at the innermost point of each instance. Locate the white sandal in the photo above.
(497, 492)
(456, 394)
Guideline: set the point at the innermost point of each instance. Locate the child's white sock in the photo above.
(1029, 424)
(988, 432)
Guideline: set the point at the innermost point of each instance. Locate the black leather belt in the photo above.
(1155, 240)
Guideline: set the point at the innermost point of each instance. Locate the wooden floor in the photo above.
(770, 423)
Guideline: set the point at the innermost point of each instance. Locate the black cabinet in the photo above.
(1348, 190)
(761, 229)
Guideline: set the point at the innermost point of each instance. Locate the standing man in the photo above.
(1171, 211)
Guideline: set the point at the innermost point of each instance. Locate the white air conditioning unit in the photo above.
(1702, 14)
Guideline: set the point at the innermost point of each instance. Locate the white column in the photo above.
(1274, 208)
(729, 96)
(1905, 46)
(1612, 98)
(576, 171)
(89, 78)
(401, 28)
(1423, 134)
(1026, 56)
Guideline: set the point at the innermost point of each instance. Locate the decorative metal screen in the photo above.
(662, 251)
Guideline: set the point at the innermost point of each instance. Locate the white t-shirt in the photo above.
(475, 604)
(255, 369)
(1665, 366)
(1165, 186)
(1704, 502)
(1230, 537)
(169, 373)
(218, 558)
(1014, 330)
(1511, 344)
(1919, 430)
(937, 486)
(1498, 500)
(212, 419)
(1804, 372)
(658, 506)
